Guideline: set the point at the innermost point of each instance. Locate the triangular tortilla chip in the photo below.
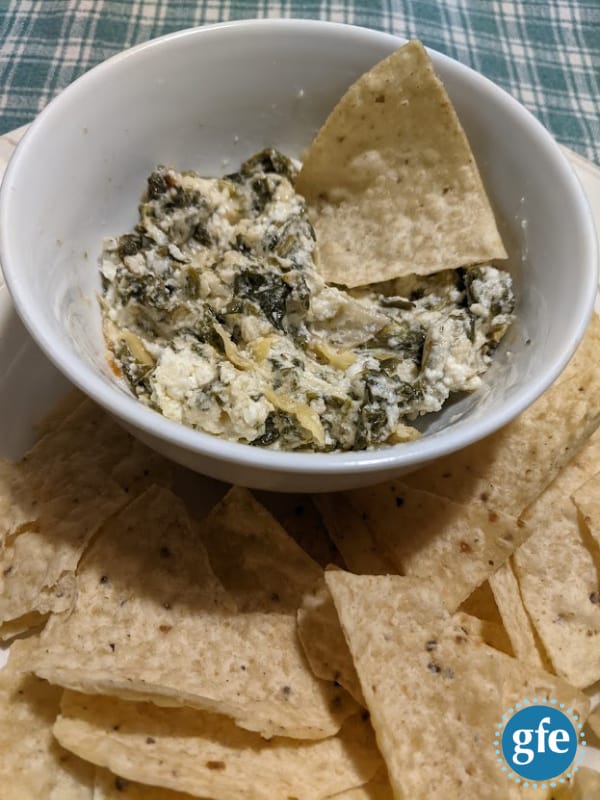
(152, 622)
(33, 766)
(543, 439)
(454, 547)
(392, 182)
(264, 569)
(323, 641)
(207, 755)
(83, 469)
(558, 579)
(431, 688)
(38, 563)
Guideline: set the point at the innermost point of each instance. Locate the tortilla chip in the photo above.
(265, 570)
(261, 567)
(516, 620)
(323, 641)
(431, 690)
(88, 435)
(32, 765)
(152, 622)
(38, 564)
(542, 440)
(55, 499)
(392, 182)
(558, 578)
(453, 547)
(352, 536)
(207, 755)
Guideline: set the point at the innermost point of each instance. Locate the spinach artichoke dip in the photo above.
(216, 316)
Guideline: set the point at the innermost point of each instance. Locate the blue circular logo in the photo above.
(539, 741)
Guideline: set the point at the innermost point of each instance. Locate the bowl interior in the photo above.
(206, 99)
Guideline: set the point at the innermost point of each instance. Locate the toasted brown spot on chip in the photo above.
(215, 764)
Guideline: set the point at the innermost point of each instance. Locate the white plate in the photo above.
(30, 385)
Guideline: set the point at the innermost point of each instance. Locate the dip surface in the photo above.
(217, 317)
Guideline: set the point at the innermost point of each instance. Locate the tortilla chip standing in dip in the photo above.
(391, 180)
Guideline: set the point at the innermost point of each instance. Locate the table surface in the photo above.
(544, 52)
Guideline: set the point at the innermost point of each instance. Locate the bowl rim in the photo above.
(133, 413)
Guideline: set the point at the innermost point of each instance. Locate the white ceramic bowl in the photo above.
(209, 97)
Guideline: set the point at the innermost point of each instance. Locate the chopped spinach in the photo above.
(405, 340)
(280, 425)
(267, 161)
(148, 290)
(156, 186)
(201, 235)
(262, 193)
(267, 290)
(129, 245)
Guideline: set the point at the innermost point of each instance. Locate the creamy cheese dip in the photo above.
(217, 317)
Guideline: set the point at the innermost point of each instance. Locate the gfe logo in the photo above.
(538, 742)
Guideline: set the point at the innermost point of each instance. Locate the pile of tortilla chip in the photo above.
(162, 650)
(359, 646)
(365, 648)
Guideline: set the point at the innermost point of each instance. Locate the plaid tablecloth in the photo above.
(544, 52)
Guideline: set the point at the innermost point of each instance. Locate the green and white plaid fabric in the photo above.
(544, 52)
